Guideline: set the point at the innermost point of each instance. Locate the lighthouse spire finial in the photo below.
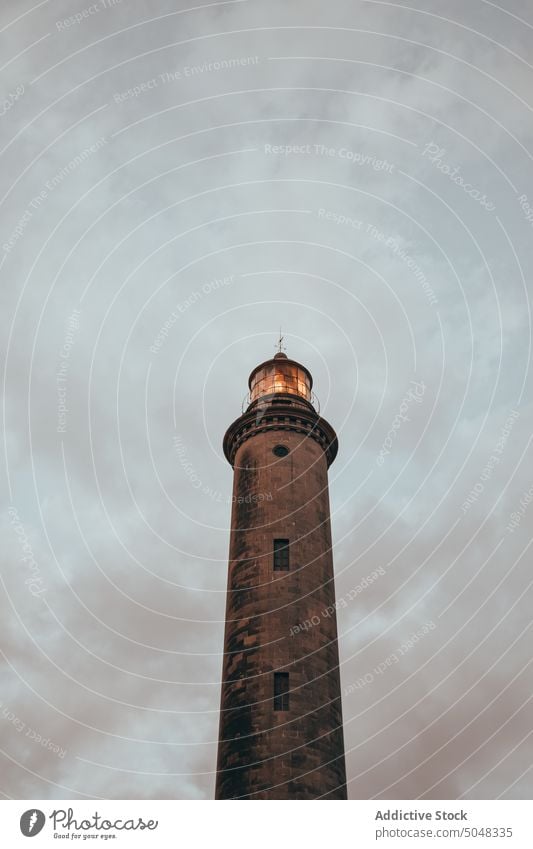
(279, 344)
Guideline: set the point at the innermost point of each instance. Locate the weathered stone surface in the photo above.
(281, 621)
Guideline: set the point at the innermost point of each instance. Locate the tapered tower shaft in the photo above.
(281, 733)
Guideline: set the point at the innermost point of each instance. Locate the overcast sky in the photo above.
(178, 180)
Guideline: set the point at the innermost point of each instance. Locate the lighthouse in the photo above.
(281, 734)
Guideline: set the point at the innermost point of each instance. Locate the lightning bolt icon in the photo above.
(33, 820)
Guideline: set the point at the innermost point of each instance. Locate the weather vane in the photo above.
(279, 344)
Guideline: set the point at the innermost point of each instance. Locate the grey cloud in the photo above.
(135, 567)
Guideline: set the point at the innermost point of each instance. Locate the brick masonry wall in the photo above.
(299, 753)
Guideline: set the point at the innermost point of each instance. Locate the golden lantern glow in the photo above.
(280, 376)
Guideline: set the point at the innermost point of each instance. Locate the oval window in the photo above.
(280, 450)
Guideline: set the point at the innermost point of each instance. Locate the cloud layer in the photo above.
(175, 186)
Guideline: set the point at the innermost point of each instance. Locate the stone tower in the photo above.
(281, 733)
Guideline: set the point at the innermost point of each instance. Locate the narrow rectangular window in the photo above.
(281, 555)
(281, 691)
